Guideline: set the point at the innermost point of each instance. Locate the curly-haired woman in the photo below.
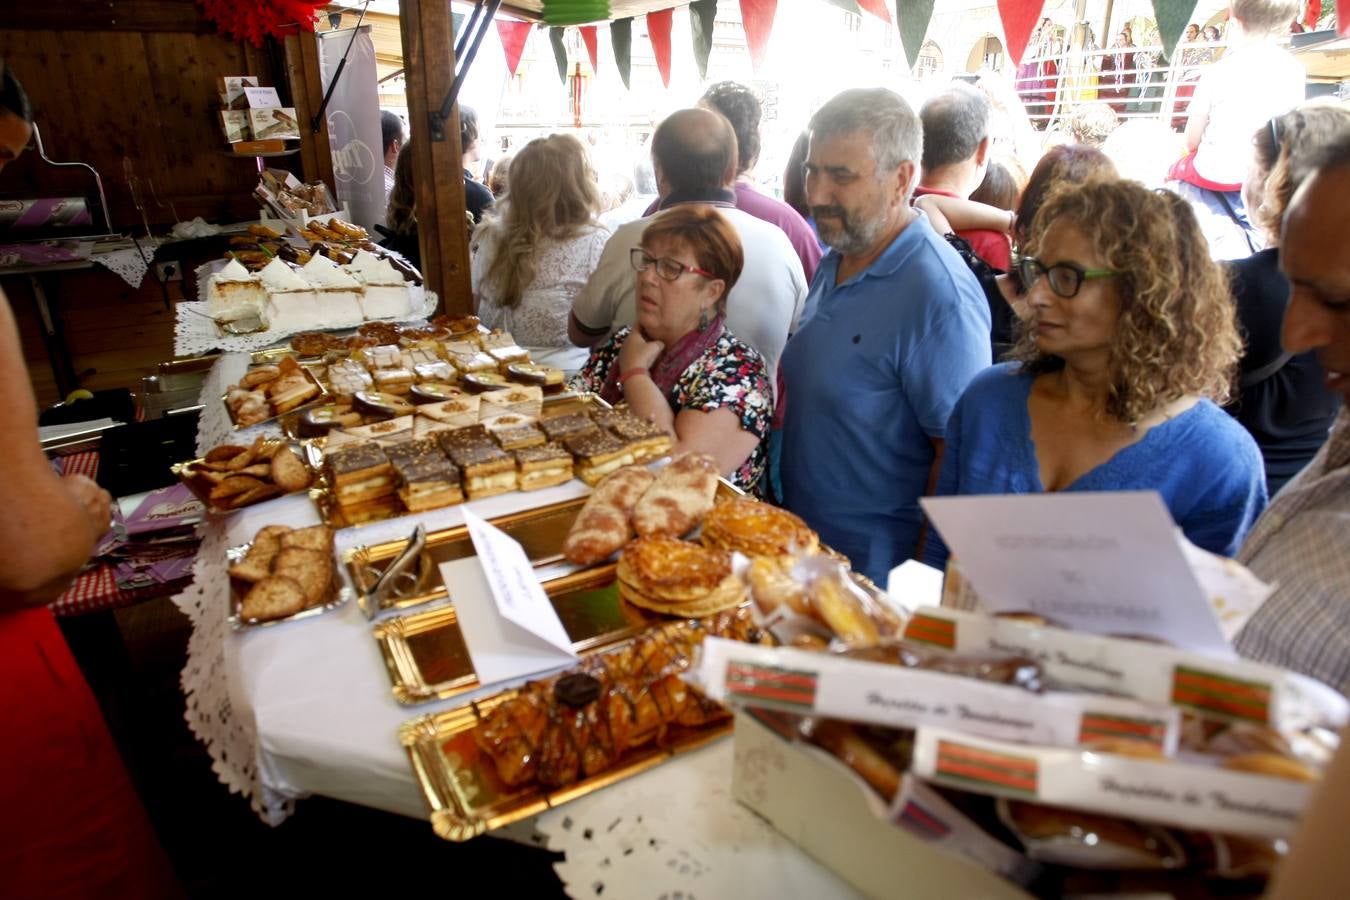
(1130, 343)
(533, 254)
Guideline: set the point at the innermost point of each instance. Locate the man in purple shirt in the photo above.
(742, 109)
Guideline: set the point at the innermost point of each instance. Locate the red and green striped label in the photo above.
(751, 681)
(987, 769)
(931, 630)
(1100, 726)
(1221, 695)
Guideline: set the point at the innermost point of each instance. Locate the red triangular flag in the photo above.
(513, 35)
(757, 20)
(589, 37)
(876, 8)
(1312, 14)
(1343, 18)
(658, 29)
(1019, 20)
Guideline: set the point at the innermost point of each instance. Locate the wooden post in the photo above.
(302, 68)
(429, 67)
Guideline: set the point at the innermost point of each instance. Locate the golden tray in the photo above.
(313, 379)
(427, 659)
(461, 785)
(201, 488)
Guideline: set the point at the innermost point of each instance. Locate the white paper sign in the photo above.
(913, 584)
(262, 97)
(509, 626)
(1104, 563)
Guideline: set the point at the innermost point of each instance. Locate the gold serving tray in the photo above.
(201, 487)
(461, 785)
(313, 379)
(427, 659)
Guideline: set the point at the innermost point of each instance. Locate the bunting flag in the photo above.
(1019, 20)
(555, 37)
(1172, 17)
(913, 17)
(702, 13)
(513, 35)
(1343, 18)
(590, 36)
(876, 8)
(658, 29)
(1312, 14)
(621, 37)
(757, 19)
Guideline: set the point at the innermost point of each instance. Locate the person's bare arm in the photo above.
(49, 524)
(582, 336)
(938, 445)
(1195, 128)
(717, 433)
(1317, 864)
(964, 215)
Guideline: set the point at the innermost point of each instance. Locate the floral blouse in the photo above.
(731, 374)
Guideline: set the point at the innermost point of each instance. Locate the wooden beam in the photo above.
(302, 69)
(429, 55)
(108, 15)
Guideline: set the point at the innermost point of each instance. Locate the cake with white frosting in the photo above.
(385, 294)
(234, 293)
(337, 293)
(291, 304)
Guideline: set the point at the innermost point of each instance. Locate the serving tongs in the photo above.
(402, 578)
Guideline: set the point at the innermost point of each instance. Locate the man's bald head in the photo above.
(1313, 255)
(694, 152)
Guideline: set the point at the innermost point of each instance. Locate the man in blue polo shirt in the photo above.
(895, 328)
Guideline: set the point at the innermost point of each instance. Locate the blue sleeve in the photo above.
(1220, 521)
(949, 483)
(954, 351)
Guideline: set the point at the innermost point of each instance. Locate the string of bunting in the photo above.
(255, 22)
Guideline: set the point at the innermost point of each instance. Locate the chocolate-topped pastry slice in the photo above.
(515, 432)
(380, 404)
(359, 473)
(543, 466)
(424, 448)
(319, 420)
(435, 392)
(486, 468)
(428, 481)
(597, 454)
(647, 440)
(604, 417)
(558, 427)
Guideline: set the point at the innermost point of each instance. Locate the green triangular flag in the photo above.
(555, 37)
(621, 36)
(912, 16)
(846, 6)
(701, 16)
(1172, 17)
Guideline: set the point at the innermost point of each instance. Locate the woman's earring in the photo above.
(703, 320)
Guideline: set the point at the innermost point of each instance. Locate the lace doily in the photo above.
(130, 264)
(675, 831)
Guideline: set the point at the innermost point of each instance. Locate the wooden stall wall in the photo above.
(127, 86)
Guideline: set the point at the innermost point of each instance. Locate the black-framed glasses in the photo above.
(667, 268)
(1064, 278)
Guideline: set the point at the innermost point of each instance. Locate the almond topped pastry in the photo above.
(677, 577)
(758, 529)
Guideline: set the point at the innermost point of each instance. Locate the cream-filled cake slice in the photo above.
(385, 294)
(338, 293)
(290, 299)
(234, 293)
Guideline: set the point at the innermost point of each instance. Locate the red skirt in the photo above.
(71, 824)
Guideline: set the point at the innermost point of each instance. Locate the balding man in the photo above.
(1302, 541)
(695, 159)
(956, 157)
(895, 328)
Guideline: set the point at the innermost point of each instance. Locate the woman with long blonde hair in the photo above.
(1130, 341)
(536, 250)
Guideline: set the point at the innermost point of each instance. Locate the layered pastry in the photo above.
(467, 357)
(486, 470)
(546, 377)
(235, 293)
(380, 404)
(427, 480)
(482, 382)
(384, 293)
(438, 371)
(647, 440)
(337, 294)
(543, 466)
(678, 578)
(758, 529)
(518, 400)
(320, 420)
(505, 356)
(597, 454)
(291, 302)
(390, 431)
(514, 432)
(384, 356)
(412, 448)
(360, 473)
(558, 427)
(496, 340)
(434, 392)
(460, 412)
(347, 376)
(394, 381)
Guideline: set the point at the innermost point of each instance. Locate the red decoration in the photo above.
(658, 29)
(757, 19)
(1312, 14)
(876, 8)
(513, 35)
(255, 22)
(590, 37)
(1343, 18)
(1019, 20)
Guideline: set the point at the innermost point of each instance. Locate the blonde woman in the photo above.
(1130, 342)
(538, 247)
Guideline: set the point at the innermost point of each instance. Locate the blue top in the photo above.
(1204, 464)
(870, 378)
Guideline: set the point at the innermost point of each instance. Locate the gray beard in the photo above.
(850, 238)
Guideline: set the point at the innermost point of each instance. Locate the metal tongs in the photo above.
(401, 577)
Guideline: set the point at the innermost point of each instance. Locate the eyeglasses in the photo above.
(667, 268)
(1064, 279)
